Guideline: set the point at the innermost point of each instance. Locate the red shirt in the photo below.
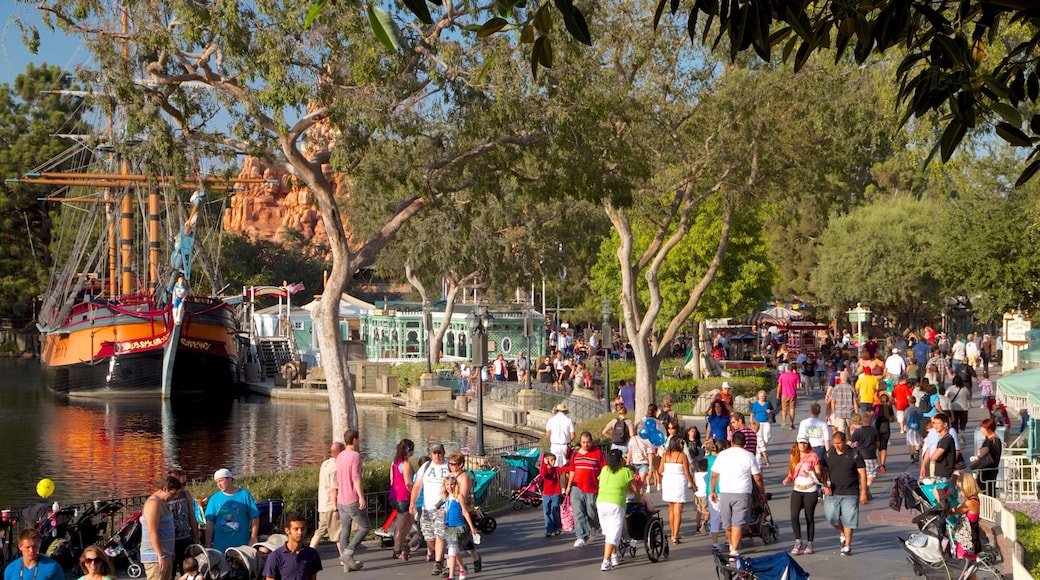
(899, 395)
(586, 468)
(550, 480)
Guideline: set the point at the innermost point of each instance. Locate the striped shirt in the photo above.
(750, 440)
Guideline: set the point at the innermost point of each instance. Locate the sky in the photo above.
(55, 48)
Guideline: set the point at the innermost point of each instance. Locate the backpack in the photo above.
(619, 433)
(925, 404)
(913, 422)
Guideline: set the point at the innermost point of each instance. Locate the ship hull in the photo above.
(108, 349)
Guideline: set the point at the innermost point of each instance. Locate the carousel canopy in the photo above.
(774, 315)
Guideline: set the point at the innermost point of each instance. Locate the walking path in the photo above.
(519, 548)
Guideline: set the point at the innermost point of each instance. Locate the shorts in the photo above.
(787, 403)
(432, 525)
(611, 519)
(714, 525)
(151, 570)
(841, 510)
(733, 509)
(400, 505)
(872, 465)
(560, 451)
(900, 416)
(453, 536)
(640, 469)
(702, 505)
(913, 438)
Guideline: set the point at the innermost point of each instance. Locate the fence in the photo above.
(581, 408)
(992, 510)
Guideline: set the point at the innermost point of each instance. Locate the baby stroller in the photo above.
(482, 481)
(212, 564)
(524, 477)
(778, 566)
(760, 522)
(124, 547)
(933, 548)
(643, 524)
(244, 563)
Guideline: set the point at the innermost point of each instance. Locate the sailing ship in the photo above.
(116, 319)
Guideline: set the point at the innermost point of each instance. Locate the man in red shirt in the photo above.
(787, 392)
(900, 393)
(585, 465)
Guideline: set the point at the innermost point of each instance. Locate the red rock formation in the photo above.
(268, 211)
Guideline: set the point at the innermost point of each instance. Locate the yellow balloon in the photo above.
(45, 487)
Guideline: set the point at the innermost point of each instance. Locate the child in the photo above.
(191, 569)
(638, 459)
(456, 520)
(700, 495)
(986, 391)
(914, 419)
(552, 495)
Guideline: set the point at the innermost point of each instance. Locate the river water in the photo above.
(95, 449)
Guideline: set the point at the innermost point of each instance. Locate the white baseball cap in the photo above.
(222, 473)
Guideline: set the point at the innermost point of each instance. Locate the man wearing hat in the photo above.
(231, 515)
(430, 481)
(895, 365)
(560, 431)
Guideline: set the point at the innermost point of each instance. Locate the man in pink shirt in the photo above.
(787, 392)
(350, 501)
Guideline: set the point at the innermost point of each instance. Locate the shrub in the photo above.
(296, 484)
(408, 373)
(1028, 531)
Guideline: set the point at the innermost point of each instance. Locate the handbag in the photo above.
(963, 536)
(958, 462)
(772, 415)
(567, 515)
(984, 462)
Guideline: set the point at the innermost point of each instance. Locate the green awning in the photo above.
(1023, 384)
(1030, 355)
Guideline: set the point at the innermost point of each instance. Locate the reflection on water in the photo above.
(93, 448)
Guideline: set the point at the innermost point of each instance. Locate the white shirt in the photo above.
(560, 428)
(959, 350)
(895, 365)
(735, 467)
(433, 484)
(816, 430)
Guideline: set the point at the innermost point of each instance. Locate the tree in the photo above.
(973, 60)
(375, 137)
(30, 114)
(885, 255)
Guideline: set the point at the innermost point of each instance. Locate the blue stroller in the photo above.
(778, 566)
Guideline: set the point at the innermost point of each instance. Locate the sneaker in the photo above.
(808, 549)
(841, 538)
(714, 548)
(557, 532)
(429, 558)
(438, 568)
(478, 564)
(606, 566)
(614, 560)
(797, 549)
(733, 554)
(462, 573)
(846, 551)
(579, 543)
(548, 535)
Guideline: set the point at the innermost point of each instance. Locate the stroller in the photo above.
(778, 566)
(212, 564)
(71, 534)
(760, 522)
(124, 547)
(933, 547)
(524, 477)
(482, 481)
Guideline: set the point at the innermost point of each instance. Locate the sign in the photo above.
(1015, 329)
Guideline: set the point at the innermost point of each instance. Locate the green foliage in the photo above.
(885, 256)
(408, 373)
(246, 262)
(296, 484)
(28, 120)
(1028, 534)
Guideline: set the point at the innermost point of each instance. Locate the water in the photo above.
(94, 449)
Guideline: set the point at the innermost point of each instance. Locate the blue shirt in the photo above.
(760, 411)
(718, 426)
(231, 517)
(45, 569)
(285, 565)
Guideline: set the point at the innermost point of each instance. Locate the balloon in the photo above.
(657, 438)
(650, 424)
(45, 487)
(644, 433)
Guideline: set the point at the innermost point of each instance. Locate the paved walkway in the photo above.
(519, 548)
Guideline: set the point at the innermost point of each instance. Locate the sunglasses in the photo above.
(90, 560)
(454, 464)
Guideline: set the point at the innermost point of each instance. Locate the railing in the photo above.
(581, 408)
(992, 510)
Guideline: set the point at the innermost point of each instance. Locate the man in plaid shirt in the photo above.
(941, 366)
(843, 401)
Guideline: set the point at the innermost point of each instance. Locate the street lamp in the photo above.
(479, 321)
(528, 331)
(427, 311)
(859, 316)
(607, 338)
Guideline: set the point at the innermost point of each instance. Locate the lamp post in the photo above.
(528, 331)
(607, 339)
(479, 321)
(859, 316)
(427, 311)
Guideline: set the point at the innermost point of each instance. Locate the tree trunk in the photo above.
(695, 350)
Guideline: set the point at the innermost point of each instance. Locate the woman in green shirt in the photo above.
(615, 482)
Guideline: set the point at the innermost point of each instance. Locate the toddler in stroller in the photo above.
(124, 547)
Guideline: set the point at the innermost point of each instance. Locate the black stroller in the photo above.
(932, 549)
(124, 547)
(760, 522)
(778, 566)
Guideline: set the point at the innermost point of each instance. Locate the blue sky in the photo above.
(55, 48)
